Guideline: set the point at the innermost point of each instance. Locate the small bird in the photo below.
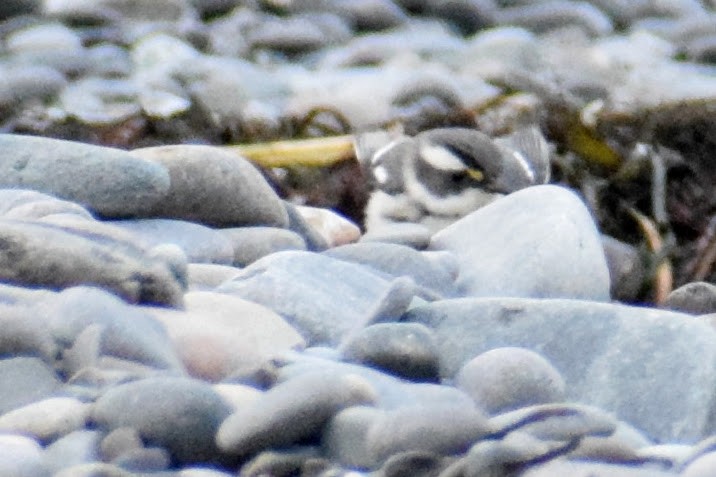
(441, 175)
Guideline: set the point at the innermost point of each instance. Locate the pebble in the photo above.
(105, 180)
(542, 264)
(25, 381)
(407, 350)
(218, 335)
(291, 411)
(251, 243)
(199, 243)
(179, 414)
(75, 448)
(434, 272)
(504, 379)
(213, 187)
(48, 419)
(698, 298)
(207, 276)
(324, 298)
(21, 457)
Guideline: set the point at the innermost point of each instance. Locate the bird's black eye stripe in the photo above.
(464, 157)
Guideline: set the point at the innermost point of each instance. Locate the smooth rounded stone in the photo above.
(392, 392)
(600, 350)
(468, 16)
(539, 242)
(108, 181)
(96, 323)
(291, 411)
(698, 298)
(218, 335)
(150, 459)
(407, 350)
(414, 463)
(48, 419)
(12, 295)
(556, 422)
(281, 463)
(24, 381)
(182, 415)
(201, 472)
(51, 36)
(325, 299)
(214, 187)
(504, 379)
(207, 276)
(76, 448)
(252, 243)
(27, 81)
(548, 15)
(416, 236)
(93, 469)
(118, 442)
(21, 457)
(365, 437)
(399, 260)
(291, 35)
(39, 209)
(703, 466)
(201, 244)
(315, 241)
(42, 255)
(101, 101)
(10, 8)
(24, 333)
(496, 457)
(100, 11)
(593, 469)
(237, 396)
(334, 228)
(626, 269)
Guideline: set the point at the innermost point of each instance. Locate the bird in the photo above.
(440, 175)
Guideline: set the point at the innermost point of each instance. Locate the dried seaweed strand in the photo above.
(663, 274)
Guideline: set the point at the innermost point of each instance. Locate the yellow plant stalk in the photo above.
(318, 152)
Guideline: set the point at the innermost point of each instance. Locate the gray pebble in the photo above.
(76, 448)
(315, 242)
(120, 330)
(47, 419)
(24, 381)
(207, 276)
(201, 244)
(407, 350)
(292, 410)
(22, 457)
(399, 260)
(698, 298)
(504, 379)
(108, 181)
(26, 81)
(539, 242)
(252, 243)
(412, 235)
(119, 441)
(149, 460)
(593, 469)
(214, 187)
(43, 255)
(179, 414)
(25, 333)
(11, 8)
(322, 297)
(626, 269)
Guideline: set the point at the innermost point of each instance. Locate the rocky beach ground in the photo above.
(168, 308)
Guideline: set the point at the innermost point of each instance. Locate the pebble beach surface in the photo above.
(164, 312)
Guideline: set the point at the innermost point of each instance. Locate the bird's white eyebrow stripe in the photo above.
(441, 158)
